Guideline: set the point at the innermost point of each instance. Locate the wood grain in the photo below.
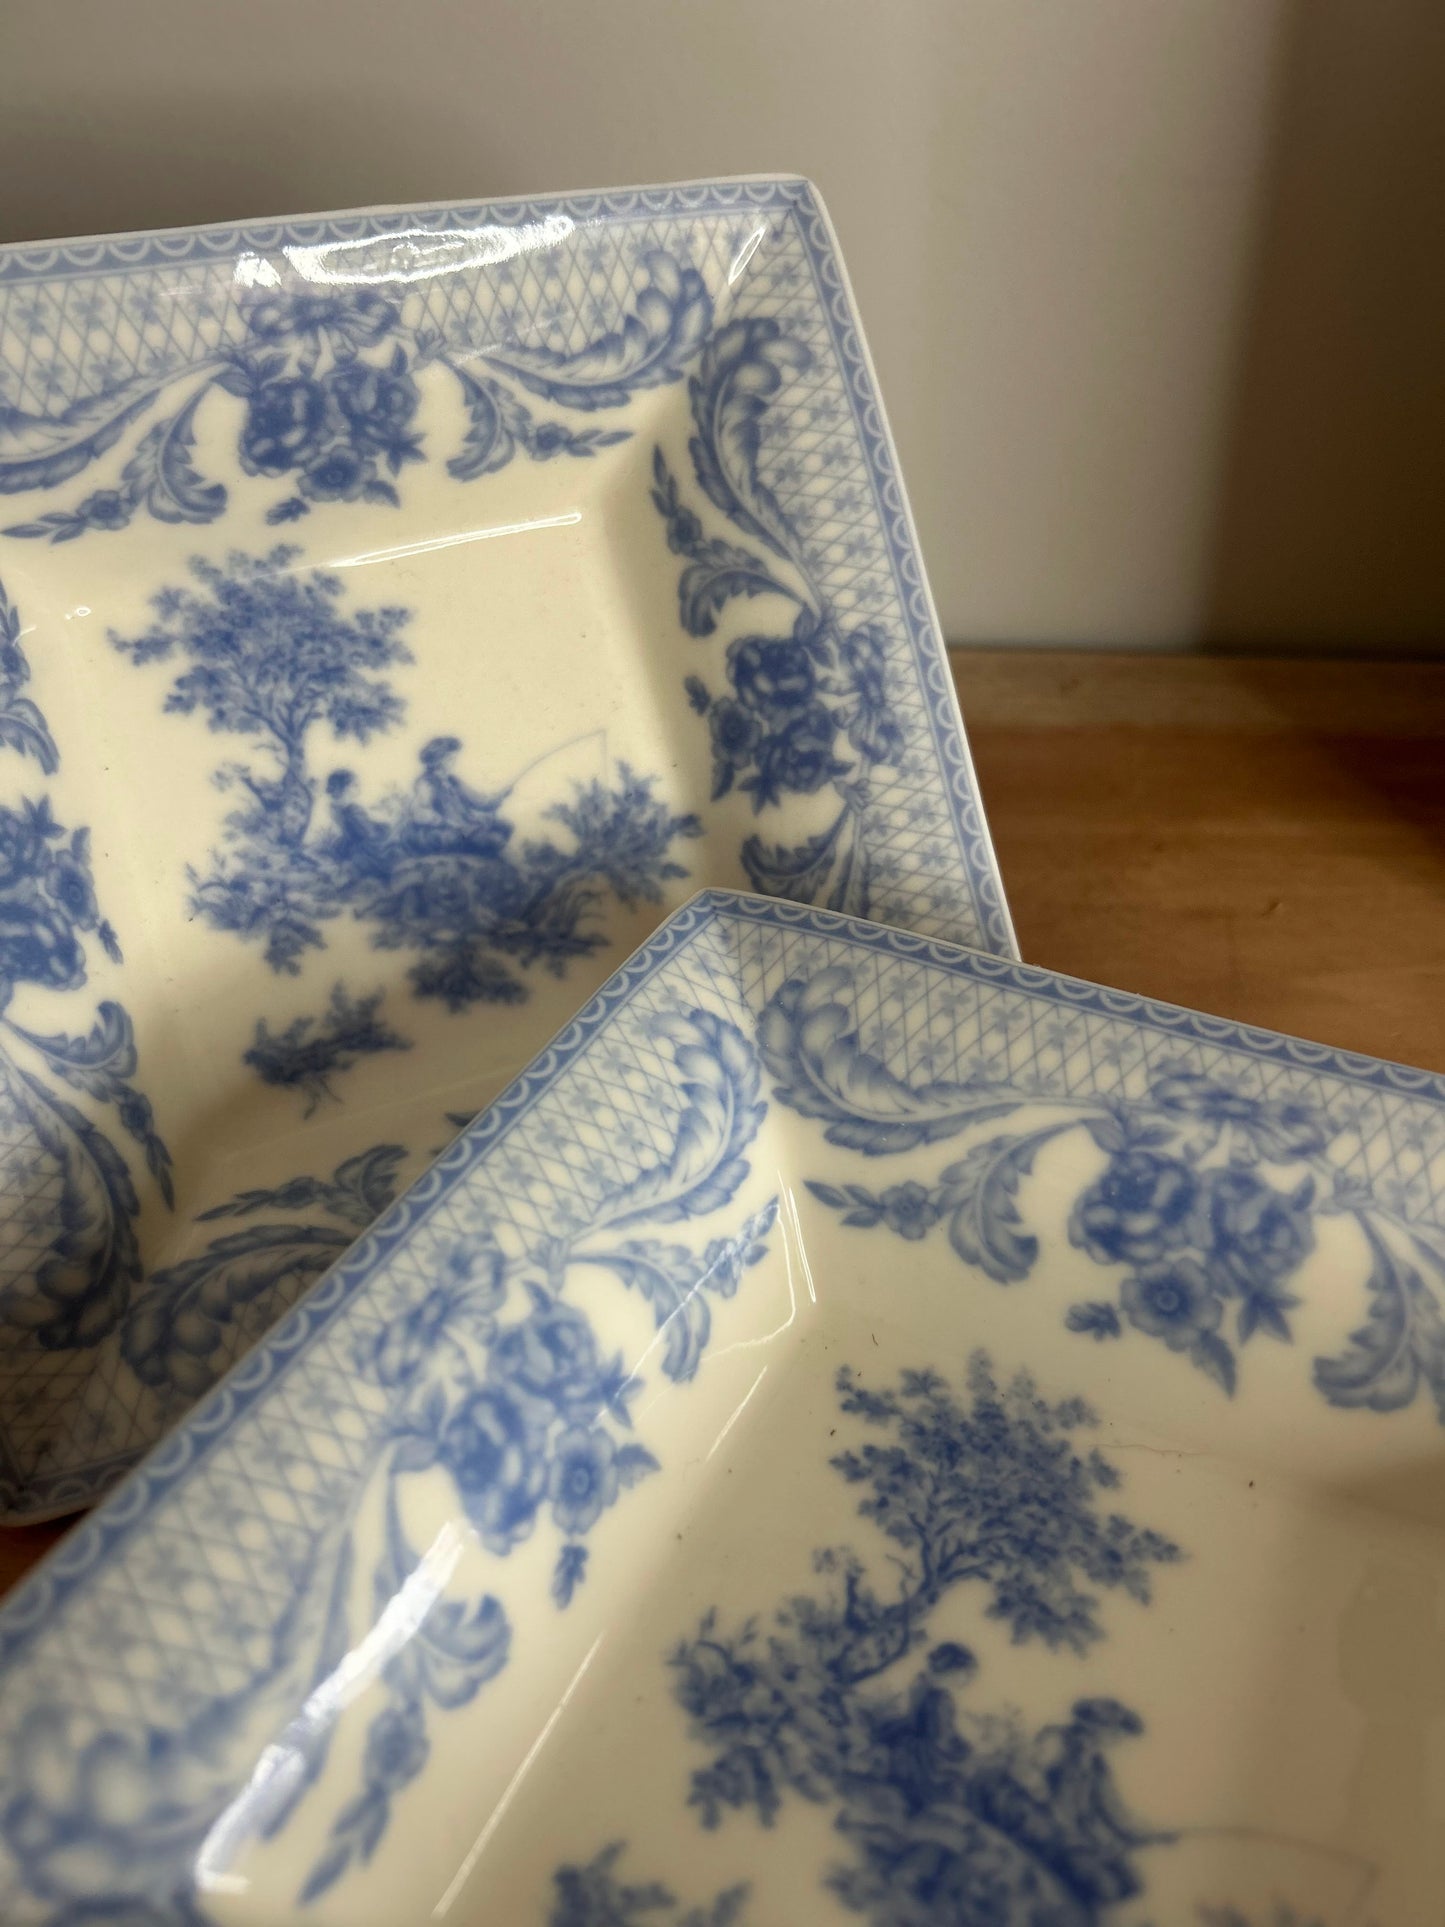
(1264, 839)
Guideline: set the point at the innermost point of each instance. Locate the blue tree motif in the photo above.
(273, 656)
(952, 1818)
(332, 385)
(491, 1379)
(75, 1296)
(808, 709)
(1208, 1203)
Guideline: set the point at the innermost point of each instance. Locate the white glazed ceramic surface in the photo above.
(400, 612)
(861, 1429)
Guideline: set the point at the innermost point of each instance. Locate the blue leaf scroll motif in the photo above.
(949, 1813)
(75, 1261)
(332, 386)
(807, 708)
(1207, 1206)
(491, 1380)
(276, 658)
(173, 1336)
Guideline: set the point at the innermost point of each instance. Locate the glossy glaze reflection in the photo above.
(400, 614)
(903, 1592)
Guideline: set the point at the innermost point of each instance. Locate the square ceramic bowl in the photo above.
(859, 1430)
(399, 612)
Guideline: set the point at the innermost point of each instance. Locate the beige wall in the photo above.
(1155, 287)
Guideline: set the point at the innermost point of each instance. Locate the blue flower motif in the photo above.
(551, 1355)
(68, 883)
(1283, 1129)
(402, 1346)
(396, 1747)
(871, 723)
(377, 404)
(1175, 1301)
(736, 733)
(494, 1446)
(104, 508)
(80, 1806)
(22, 847)
(583, 1480)
(1254, 1233)
(1138, 1211)
(548, 439)
(285, 421)
(799, 759)
(339, 474)
(773, 675)
(909, 1209)
(352, 320)
(38, 947)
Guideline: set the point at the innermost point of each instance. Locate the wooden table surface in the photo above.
(1261, 839)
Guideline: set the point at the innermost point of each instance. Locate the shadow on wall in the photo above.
(1333, 484)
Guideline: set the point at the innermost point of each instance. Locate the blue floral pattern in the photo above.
(80, 1290)
(331, 383)
(950, 1814)
(806, 710)
(1207, 1205)
(491, 1378)
(275, 657)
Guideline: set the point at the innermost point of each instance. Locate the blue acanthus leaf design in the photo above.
(486, 1378)
(811, 1049)
(1206, 1207)
(1401, 1345)
(77, 1291)
(948, 1814)
(273, 656)
(738, 376)
(22, 725)
(808, 708)
(102, 1064)
(668, 323)
(673, 1279)
(311, 1051)
(41, 451)
(332, 388)
(722, 1086)
(161, 476)
(174, 1333)
(593, 1896)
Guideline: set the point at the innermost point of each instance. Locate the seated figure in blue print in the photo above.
(276, 656)
(444, 813)
(358, 840)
